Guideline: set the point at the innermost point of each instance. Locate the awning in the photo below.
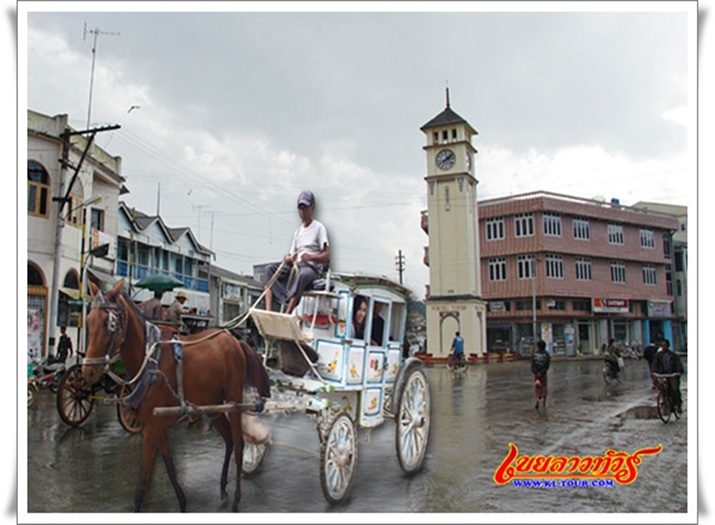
(70, 292)
(102, 276)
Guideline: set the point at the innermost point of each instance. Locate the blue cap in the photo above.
(306, 198)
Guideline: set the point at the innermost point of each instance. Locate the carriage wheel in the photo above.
(253, 456)
(412, 420)
(338, 459)
(74, 397)
(663, 406)
(126, 414)
(30, 393)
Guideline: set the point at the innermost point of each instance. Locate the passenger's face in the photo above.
(361, 313)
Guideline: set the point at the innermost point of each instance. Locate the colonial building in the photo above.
(575, 272)
(73, 188)
(454, 298)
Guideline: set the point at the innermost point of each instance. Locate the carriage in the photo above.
(349, 383)
(355, 383)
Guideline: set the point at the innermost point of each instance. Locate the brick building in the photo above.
(595, 271)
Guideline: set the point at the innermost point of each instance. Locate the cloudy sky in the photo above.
(239, 111)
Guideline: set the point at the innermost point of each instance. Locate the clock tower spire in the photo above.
(454, 302)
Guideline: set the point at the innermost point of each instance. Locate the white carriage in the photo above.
(356, 383)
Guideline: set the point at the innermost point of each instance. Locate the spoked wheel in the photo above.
(338, 459)
(253, 456)
(663, 406)
(31, 388)
(412, 419)
(74, 397)
(127, 415)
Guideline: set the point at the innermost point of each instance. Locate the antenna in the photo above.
(446, 90)
(96, 32)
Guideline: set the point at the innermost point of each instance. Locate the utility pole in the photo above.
(96, 32)
(63, 197)
(400, 263)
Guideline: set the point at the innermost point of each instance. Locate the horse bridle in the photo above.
(116, 326)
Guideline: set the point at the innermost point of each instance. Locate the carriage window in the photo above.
(320, 311)
(380, 312)
(360, 313)
(396, 322)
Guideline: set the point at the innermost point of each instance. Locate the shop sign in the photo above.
(613, 306)
(659, 309)
(497, 306)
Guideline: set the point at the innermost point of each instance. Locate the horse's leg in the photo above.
(163, 446)
(148, 449)
(222, 426)
(237, 433)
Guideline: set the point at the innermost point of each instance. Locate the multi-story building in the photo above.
(575, 272)
(679, 266)
(147, 246)
(73, 188)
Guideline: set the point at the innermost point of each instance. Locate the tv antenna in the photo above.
(96, 32)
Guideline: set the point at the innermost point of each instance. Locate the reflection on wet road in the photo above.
(475, 416)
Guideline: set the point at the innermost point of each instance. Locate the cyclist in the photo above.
(667, 362)
(540, 363)
(458, 349)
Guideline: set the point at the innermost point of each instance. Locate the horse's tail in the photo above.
(257, 375)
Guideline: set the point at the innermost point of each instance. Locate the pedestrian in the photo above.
(64, 346)
(649, 354)
(153, 310)
(668, 362)
(308, 258)
(173, 314)
(540, 363)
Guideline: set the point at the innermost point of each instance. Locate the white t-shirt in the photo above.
(309, 239)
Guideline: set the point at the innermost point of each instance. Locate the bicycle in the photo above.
(665, 401)
(459, 365)
(610, 373)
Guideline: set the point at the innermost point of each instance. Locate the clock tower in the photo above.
(454, 302)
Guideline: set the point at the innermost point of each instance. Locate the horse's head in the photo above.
(106, 330)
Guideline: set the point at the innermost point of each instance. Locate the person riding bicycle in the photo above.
(540, 363)
(612, 355)
(458, 349)
(668, 362)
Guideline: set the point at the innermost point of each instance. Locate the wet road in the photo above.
(475, 416)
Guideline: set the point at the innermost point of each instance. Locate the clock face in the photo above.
(445, 159)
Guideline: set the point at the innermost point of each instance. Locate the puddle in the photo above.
(641, 412)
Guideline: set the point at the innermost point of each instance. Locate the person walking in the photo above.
(540, 364)
(307, 259)
(64, 346)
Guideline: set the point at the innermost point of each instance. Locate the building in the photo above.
(73, 187)
(232, 296)
(679, 267)
(454, 299)
(575, 272)
(147, 246)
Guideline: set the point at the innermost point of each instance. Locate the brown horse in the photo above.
(216, 366)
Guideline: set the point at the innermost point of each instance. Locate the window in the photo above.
(615, 234)
(647, 238)
(552, 224)
(38, 189)
(666, 245)
(497, 269)
(97, 220)
(495, 229)
(524, 224)
(581, 229)
(649, 274)
(583, 269)
(618, 272)
(527, 304)
(556, 304)
(74, 211)
(581, 305)
(525, 266)
(554, 266)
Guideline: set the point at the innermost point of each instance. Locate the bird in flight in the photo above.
(133, 107)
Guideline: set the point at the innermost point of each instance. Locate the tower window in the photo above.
(454, 134)
(435, 137)
(445, 135)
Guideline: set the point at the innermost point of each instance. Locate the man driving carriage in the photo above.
(308, 258)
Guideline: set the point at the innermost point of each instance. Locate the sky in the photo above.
(239, 112)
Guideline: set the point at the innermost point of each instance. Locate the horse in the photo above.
(216, 367)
